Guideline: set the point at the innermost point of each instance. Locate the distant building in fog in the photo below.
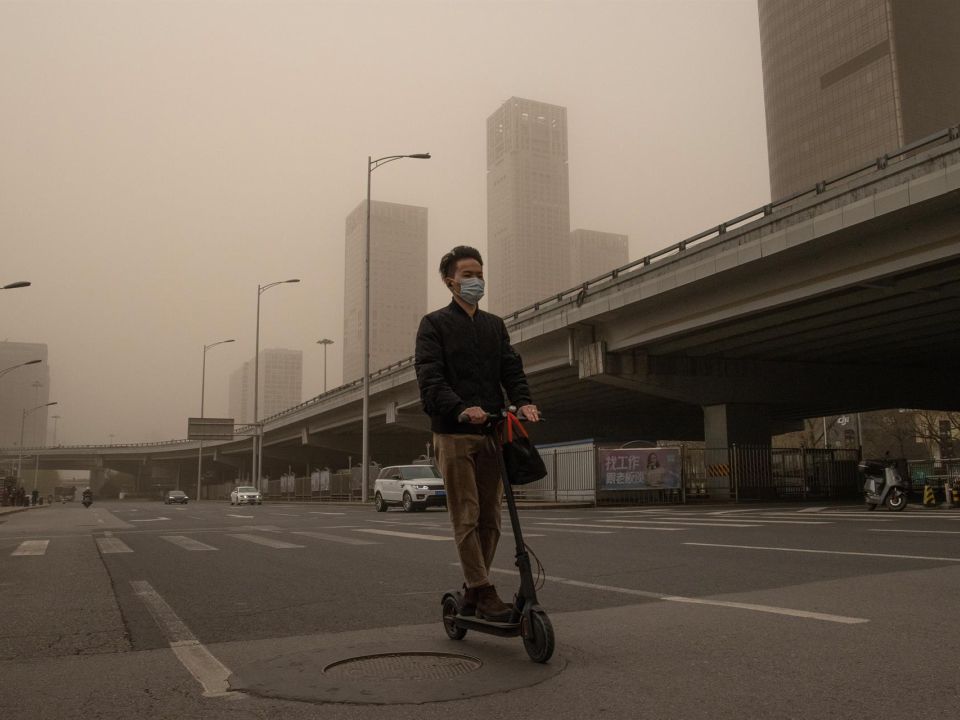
(594, 253)
(281, 385)
(528, 204)
(398, 283)
(23, 389)
(846, 81)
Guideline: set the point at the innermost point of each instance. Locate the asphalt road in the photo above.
(136, 609)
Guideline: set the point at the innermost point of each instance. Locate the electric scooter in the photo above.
(883, 485)
(528, 620)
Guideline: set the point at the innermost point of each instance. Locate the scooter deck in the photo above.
(472, 622)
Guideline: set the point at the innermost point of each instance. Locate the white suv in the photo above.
(414, 487)
(246, 495)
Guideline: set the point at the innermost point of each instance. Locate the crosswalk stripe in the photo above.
(31, 547)
(335, 538)
(413, 536)
(268, 542)
(187, 543)
(110, 545)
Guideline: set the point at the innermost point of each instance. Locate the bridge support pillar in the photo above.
(729, 425)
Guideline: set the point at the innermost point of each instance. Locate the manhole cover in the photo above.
(403, 666)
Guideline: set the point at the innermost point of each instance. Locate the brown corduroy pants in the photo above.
(471, 475)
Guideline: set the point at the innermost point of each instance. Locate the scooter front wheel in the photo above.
(538, 640)
(451, 608)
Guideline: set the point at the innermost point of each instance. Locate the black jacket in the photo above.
(462, 362)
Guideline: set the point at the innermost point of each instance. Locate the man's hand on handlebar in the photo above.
(474, 415)
(529, 412)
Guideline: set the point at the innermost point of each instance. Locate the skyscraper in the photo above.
(398, 283)
(846, 81)
(593, 253)
(23, 389)
(528, 204)
(281, 385)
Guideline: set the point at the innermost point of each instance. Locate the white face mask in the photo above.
(471, 290)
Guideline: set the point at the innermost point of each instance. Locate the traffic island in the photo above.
(399, 672)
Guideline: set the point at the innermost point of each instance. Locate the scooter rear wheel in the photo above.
(896, 501)
(450, 610)
(539, 640)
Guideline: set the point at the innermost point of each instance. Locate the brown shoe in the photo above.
(491, 607)
(469, 605)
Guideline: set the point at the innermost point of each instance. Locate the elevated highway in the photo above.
(842, 298)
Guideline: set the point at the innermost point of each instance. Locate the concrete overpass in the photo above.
(842, 298)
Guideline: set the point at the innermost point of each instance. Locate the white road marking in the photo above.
(110, 545)
(607, 527)
(926, 532)
(829, 552)
(187, 543)
(570, 530)
(843, 619)
(692, 523)
(199, 662)
(285, 514)
(812, 510)
(268, 542)
(151, 519)
(194, 517)
(317, 512)
(335, 538)
(240, 516)
(412, 536)
(31, 547)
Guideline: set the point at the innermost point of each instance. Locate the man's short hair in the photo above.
(448, 263)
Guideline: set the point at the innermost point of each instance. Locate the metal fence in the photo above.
(571, 476)
(933, 472)
(764, 473)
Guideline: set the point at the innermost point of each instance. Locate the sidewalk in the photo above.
(11, 510)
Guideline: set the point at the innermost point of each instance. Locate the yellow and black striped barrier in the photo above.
(929, 498)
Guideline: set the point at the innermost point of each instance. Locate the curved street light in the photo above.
(257, 460)
(203, 383)
(365, 471)
(23, 420)
(14, 367)
(15, 285)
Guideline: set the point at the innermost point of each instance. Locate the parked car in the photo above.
(246, 495)
(413, 487)
(176, 496)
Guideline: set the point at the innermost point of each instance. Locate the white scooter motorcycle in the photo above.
(883, 485)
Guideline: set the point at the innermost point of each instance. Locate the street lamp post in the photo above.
(15, 285)
(325, 342)
(14, 367)
(365, 471)
(23, 420)
(55, 419)
(203, 383)
(257, 460)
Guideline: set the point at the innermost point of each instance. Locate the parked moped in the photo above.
(883, 485)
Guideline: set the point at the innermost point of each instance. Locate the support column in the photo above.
(737, 456)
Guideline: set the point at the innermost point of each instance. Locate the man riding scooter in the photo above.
(464, 363)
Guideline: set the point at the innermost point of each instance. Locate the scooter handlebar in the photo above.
(492, 417)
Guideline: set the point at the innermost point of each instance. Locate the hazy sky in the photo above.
(159, 160)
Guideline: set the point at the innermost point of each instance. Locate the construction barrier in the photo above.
(929, 498)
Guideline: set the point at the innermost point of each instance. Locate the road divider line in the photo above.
(687, 523)
(829, 552)
(195, 657)
(607, 527)
(335, 538)
(151, 519)
(318, 512)
(412, 536)
(31, 547)
(925, 532)
(770, 609)
(246, 517)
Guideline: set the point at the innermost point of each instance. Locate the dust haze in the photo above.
(159, 160)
